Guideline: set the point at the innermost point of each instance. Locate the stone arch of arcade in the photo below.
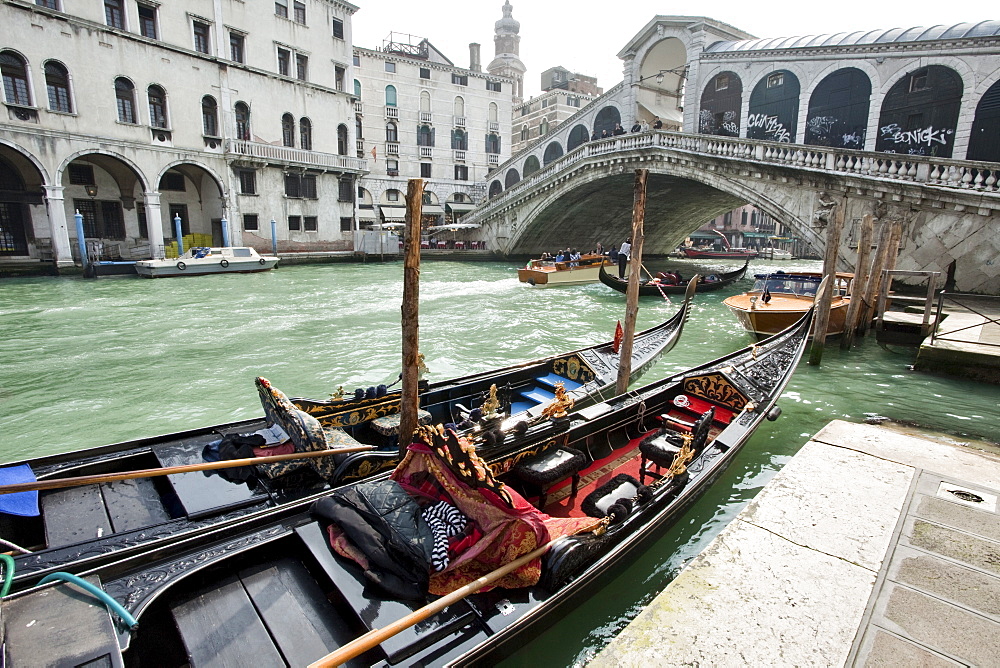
(22, 181)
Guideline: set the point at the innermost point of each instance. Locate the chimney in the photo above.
(474, 58)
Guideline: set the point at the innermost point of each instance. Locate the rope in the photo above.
(114, 605)
(8, 573)
(14, 546)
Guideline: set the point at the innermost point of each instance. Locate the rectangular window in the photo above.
(461, 173)
(250, 222)
(460, 80)
(392, 168)
(301, 67)
(147, 21)
(918, 80)
(425, 73)
(173, 181)
(425, 170)
(338, 29)
(390, 66)
(300, 12)
(50, 4)
(721, 82)
(284, 61)
(338, 77)
(357, 60)
(775, 80)
(345, 190)
(294, 223)
(81, 175)
(140, 212)
(494, 86)
(309, 224)
(201, 43)
(114, 15)
(102, 219)
(248, 181)
(280, 9)
(237, 43)
(346, 224)
(293, 185)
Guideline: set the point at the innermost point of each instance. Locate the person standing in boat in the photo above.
(623, 256)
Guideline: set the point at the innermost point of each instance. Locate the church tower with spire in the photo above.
(506, 62)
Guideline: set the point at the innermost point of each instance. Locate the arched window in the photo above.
(838, 110)
(774, 108)
(493, 112)
(492, 143)
(425, 101)
(531, 166)
(342, 139)
(357, 89)
(425, 135)
(390, 96)
(984, 142)
(157, 107)
(15, 78)
(242, 121)
(305, 134)
(210, 116)
(287, 130)
(57, 86)
(391, 135)
(552, 152)
(460, 139)
(543, 127)
(511, 178)
(495, 189)
(460, 107)
(525, 133)
(720, 106)
(577, 136)
(607, 118)
(125, 96)
(920, 113)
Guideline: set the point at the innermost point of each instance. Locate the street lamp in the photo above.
(681, 72)
(91, 191)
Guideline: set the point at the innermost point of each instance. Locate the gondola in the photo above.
(649, 287)
(88, 525)
(290, 591)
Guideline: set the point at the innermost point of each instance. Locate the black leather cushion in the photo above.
(622, 486)
(551, 466)
(661, 447)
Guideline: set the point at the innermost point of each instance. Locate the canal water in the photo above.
(89, 362)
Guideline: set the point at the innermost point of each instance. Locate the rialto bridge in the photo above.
(903, 125)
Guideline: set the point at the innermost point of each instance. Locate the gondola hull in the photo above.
(648, 288)
(172, 590)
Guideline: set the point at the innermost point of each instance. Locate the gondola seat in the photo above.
(599, 502)
(550, 468)
(661, 448)
(305, 432)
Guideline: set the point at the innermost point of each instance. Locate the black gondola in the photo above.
(277, 594)
(649, 287)
(82, 527)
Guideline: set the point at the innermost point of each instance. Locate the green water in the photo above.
(85, 363)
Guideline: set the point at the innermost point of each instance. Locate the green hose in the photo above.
(115, 606)
(8, 573)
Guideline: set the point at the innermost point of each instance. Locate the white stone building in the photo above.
(539, 115)
(136, 112)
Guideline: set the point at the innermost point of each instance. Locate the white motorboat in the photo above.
(202, 260)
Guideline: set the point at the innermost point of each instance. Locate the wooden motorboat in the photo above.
(202, 260)
(292, 590)
(547, 273)
(713, 254)
(88, 525)
(777, 300)
(659, 287)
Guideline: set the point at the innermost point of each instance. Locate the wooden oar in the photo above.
(60, 483)
(375, 637)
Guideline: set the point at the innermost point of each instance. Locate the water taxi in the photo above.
(546, 273)
(776, 301)
(202, 260)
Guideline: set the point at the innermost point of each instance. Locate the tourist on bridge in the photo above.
(623, 256)
(636, 127)
(657, 123)
(619, 130)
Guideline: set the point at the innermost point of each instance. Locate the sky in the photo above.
(585, 35)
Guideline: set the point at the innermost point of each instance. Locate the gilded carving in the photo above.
(716, 387)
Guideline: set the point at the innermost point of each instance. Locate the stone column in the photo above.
(154, 224)
(55, 204)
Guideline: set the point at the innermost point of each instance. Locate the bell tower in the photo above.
(506, 62)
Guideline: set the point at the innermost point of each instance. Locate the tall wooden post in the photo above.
(874, 278)
(632, 294)
(410, 401)
(861, 278)
(824, 300)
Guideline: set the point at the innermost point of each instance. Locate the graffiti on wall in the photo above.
(916, 142)
(773, 129)
(830, 131)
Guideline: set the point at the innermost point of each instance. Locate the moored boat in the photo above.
(659, 286)
(713, 254)
(293, 590)
(202, 260)
(777, 300)
(547, 273)
(85, 526)
(773, 253)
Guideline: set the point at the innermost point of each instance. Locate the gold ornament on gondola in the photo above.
(421, 366)
(683, 456)
(560, 405)
(339, 394)
(492, 404)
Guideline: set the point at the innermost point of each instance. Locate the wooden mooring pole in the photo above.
(860, 283)
(410, 400)
(824, 300)
(632, 294)
(874, 277)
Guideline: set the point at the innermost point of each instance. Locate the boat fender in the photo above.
(224, 263)
(774, 413)
(359, 394)
(370, 393)
(619, 510)
(530, 281)
(262, 260)
(521, 427)
(643, 494)
(381, 390)
(181, 266)
(489, 438)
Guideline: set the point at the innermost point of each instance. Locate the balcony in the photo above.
(494, 159)
(360, 145)
(459, 121)
(426, 117)
(359, 107)
(426, 151)
(494, 126)
(286, 156)
(459, 156)
(392, 112)
(392, 148)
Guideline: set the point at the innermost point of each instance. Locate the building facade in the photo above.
(539, 115)
(221, 115)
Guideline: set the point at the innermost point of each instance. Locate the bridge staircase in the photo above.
(906, 319)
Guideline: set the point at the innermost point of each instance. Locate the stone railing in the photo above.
(293, 156)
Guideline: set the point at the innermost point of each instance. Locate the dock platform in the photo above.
(869, 548)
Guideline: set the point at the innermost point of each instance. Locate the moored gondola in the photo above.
(306, 584)
(82, 527)
(654, 286)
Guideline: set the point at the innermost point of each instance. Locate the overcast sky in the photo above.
(584, 36)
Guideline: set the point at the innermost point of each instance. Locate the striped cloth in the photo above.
(445, 521)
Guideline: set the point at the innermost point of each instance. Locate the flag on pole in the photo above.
(619, 335)
(374, 156)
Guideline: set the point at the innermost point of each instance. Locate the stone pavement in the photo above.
(869, 548)
(967, 341)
